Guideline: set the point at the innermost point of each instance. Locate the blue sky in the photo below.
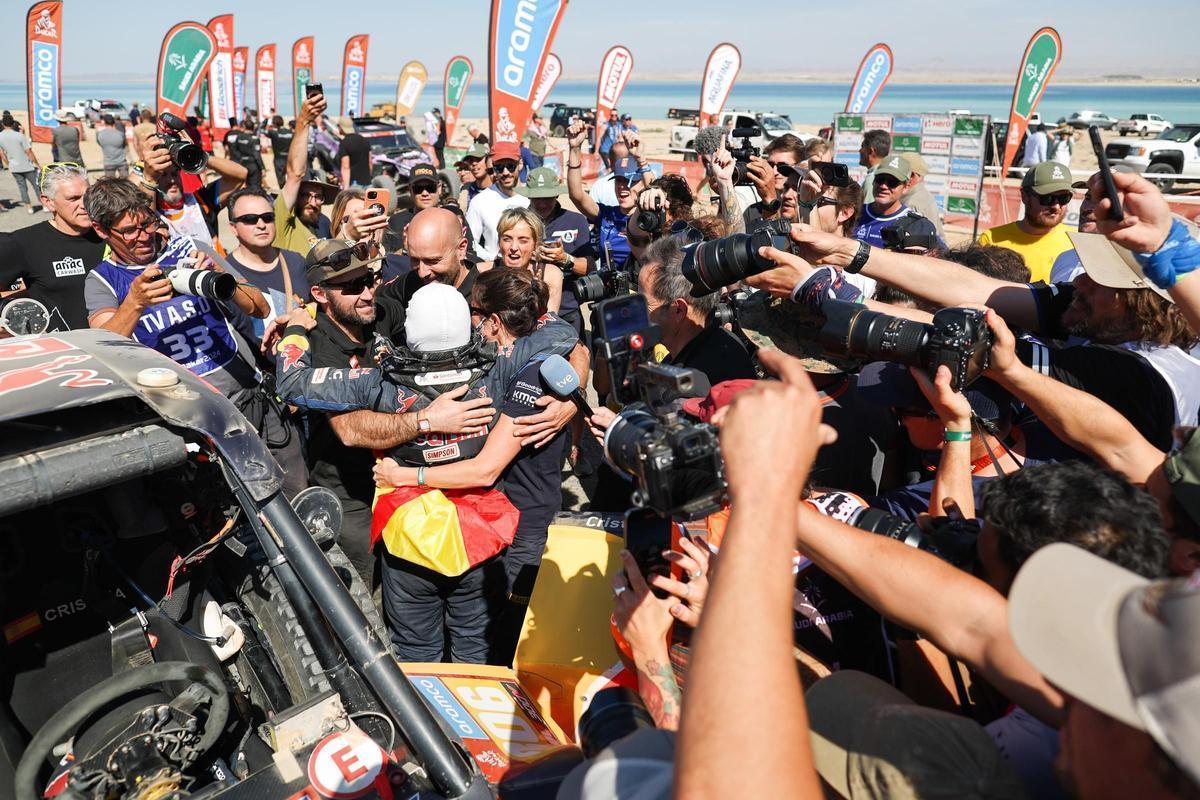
(1151, 37)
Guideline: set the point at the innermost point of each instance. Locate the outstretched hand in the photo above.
(1147, 219)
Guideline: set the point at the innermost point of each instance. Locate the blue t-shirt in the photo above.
(870, 227)
(609, 229)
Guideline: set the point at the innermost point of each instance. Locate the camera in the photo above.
(710, 265)
(201, 282)
(602, 284)
(743, 154)
(958, 338)
(910, 232)
(652, 221)
(185, 154)
(952, 540)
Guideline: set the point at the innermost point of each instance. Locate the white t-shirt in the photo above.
(483, 214)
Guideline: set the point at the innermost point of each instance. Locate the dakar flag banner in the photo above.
(43, 67)
(221, 105)
(550, 75)
(304, 66)
(264, 79)
(409, 87)
(1042, 55)
(241, 57)
(187, 51)
(724, 64)
(454, 90)
(520, 35)
(615, 70)
(354, 76)
(873, 72)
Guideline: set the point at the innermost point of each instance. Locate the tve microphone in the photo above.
(561, 380)
(708, 139)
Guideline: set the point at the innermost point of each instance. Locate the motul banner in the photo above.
(873, 72)
(221, 102)
(1042, 55)
(354, 75)
(304, 66)
(724, 63)
(43, 67)
(550, 75)
(520, 35)
(264, 79)
(454, 90)
(241, 57)
(615, 70)
(409, 87)
(186, 53)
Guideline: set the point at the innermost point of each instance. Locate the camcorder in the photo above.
(742, 154)
(710, 265)
(675, 464)
(950, 539)
(601, 285)
(185, 154)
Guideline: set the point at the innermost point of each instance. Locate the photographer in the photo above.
(768, 173)
(608, 222)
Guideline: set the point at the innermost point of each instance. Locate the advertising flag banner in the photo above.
(520, 35)
(1042, 55)
(187, 51)
(264, 79)
(724, 63)
(454, 90)
(304, 66)
(220, 99)
(241, 57)
(43, 67)
(615, 70)
(873, 72)
(409, 87)
(354, 76)
(202, 105)
(550, 75)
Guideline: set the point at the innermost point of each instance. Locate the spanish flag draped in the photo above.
(448, 531)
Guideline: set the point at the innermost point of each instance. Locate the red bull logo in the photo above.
(60, 369)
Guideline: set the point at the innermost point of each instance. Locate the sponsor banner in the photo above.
(1042, 55)
(936, 164)
(354, 76)
(936, 145)
(520, 35)
(183, 60)
(304, 67)
(906, 125)
(202, 99)
(550, 75)
(963, 186)
(241, 57)
(43, 68)
(966, 166)
(264, 79)
(615, 69)
(219, 94)
(964, 146)
(873, 72)
(846, 157)
(720, 73)
(850, 123)
(969, 126)
(454, 90)
(906, 143)
(409, 86)
(846, 142)
(937, 125)
(877, 123)
(936, 184)
(961, 205)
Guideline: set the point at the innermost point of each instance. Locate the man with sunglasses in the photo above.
(299, 222)
(278, 274)
(1039, 236)
(487, 206)
(891, 176)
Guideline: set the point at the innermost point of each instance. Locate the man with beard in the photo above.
(1039, 236)
(485, 210)
(299, 222)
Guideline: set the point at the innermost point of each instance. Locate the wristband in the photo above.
(420, 476)
(644, 170)
(806, 206)
(1178, 256)
(957, 436)
(860, 259)
(574, 166)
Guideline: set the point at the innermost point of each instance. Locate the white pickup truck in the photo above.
(1142, 124)
(1176, 152)
(766, 124)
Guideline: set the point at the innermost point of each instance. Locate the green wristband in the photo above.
(957, 436)
(420, 476)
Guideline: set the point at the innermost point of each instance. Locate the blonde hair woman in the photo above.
(521, 235)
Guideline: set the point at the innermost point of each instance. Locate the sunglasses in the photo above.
(356, 286)
(54, 164)
(887, 180)
(686, 232)
(826, 201)
(363, 251)
(254, 219)
(504, 166)
(1056, 199)
(424, 188)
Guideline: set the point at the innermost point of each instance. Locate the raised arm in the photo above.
(582, 200)
(297, 156)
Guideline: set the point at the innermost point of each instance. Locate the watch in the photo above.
(771, 207)
(423, 423)
(860, 258)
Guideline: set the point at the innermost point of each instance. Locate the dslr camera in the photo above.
(742, 154)
(675, 464)
(710, 265)
(186, 155)
(601, 285)
(952, 540)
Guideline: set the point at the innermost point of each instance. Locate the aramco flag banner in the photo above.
(724, 64)
(873, 72)
(409, 87)
(241, 57)
(186, 53)
(354, 75)
(615, 70)
(454, 90)
(304, 66)
(550, 75)
(520, 35)
(221, 102)
(43, 67)
(1042, 55)
(264, 79)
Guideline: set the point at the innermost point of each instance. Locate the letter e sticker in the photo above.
(345, 765)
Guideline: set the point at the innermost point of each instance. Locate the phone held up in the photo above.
(1115, 212)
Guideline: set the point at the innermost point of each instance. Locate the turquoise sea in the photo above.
(806, 103)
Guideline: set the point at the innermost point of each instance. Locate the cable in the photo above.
(391, 726)
(216, 641)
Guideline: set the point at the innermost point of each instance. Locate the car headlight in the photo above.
(1137, 152)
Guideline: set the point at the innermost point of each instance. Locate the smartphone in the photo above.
(833, 174)
(313, 88)
(621, 316)
(378, 200)
(647, 536)
(1110, 189)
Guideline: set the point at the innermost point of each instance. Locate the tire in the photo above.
(1162, 169)
(559, 130)
(1143, 132)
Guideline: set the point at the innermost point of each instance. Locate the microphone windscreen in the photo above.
(559, 376)
(708, 140)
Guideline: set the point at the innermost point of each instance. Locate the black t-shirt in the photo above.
(272, 285)
(718, 354)
(533, 481)
(53, 266)
(392, 298)
(281, 140)
(356, 147)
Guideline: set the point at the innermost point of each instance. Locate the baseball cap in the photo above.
(328, 190)
(625, 117)
(437, 318)
(896, 166)
(719, 396)
(1182, 470)
(888, 384)
(332, 258)
(542, 182)
(917, 164)
(1110, 264)
(626, 168)
(422, 172)
(506, 150)
(1121, 644)
(476, 150)
(1047, 177)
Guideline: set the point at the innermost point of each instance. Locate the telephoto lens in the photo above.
(203, 283)
(613, 714)
(711, 265)
(600, 285)
(185, 155)
(851, 329)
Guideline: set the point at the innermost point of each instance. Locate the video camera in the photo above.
(710, 265)
(602, 284)
(743, 154)
(675, 464)
(185, 154)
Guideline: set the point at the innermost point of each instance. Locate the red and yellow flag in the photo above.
(448, 531)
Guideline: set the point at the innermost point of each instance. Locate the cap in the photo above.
(718, 397)
(328, 191)
(888, 384)
(1182, 470)
(626, 168)
(506, 150)
(626, 116)
(476, 150)
(332, 258)
(542, 182)
(1047, 177)
(422, 172)
(1110, 638)
(917, 164)
(896, 166)
(774, 322)
(346, 124)
(437, 318)
(1111, 265)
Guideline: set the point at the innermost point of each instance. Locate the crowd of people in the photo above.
(912, 587)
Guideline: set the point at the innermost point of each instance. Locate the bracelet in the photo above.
(420, 476)
(574, 166)
(860, 258)
(956, 436)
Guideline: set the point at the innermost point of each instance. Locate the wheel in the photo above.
(1162, 169)
(1143, 132)
(559, 130)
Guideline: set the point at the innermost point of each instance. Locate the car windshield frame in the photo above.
(772, 122)
(1180, 133)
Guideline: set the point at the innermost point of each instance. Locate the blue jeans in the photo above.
(31, 178)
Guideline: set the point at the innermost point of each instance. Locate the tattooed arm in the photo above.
(657, 686)
(644, 621)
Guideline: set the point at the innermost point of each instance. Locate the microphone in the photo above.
(562, 381)
(708, 140)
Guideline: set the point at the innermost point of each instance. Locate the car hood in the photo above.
(1134, 141)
